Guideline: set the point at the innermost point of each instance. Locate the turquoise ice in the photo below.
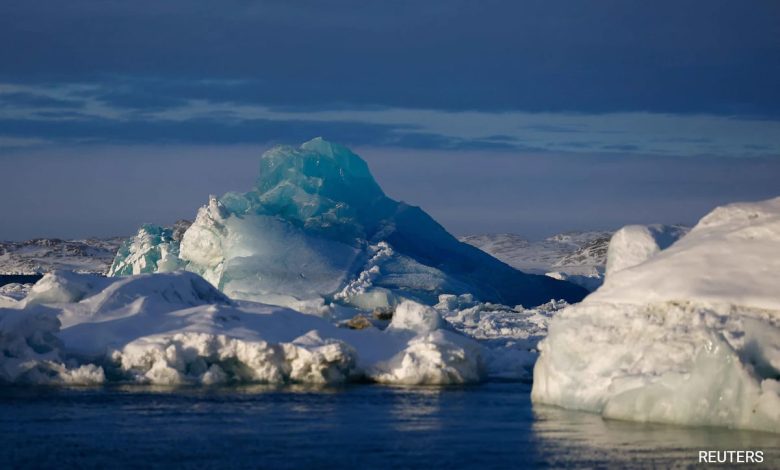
(317, 228)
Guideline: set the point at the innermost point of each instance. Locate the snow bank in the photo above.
(689, 336)
(315, 229)
(176, 328)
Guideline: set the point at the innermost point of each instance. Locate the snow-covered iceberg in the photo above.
(317, 229)
(634, 244)
(176, 328)
(152, 249)
(690, 335)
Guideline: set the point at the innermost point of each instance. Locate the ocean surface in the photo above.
(491, 425)
(20, 278)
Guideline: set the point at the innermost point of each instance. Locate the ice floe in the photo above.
(691, 335)
(176, 328)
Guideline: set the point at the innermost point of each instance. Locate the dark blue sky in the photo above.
(683, 91)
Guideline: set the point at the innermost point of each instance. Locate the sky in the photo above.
(532, 117)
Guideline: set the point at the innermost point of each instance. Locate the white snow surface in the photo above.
(634, 244)
(691, 335)
(509, 335)
(176, 328)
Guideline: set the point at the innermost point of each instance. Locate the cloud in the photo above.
(589, 109)
(56, 129)
(139, 100)
(681, 56)
(193, 131)
(26, 100)
(130, 113)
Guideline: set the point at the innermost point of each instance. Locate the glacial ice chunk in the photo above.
(415, 317)
(634, 244)
(316, 229)
(264, 258)
(153, 249)
(176, 328)
(31, 350)
(689, 336)
(437, 358)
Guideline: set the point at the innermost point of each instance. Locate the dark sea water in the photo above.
(362, 426)
(20, 278)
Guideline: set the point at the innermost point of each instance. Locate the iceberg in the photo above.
(317, 229)
(176, 328)
(634, 244)
(689, 334)
(152, 249)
